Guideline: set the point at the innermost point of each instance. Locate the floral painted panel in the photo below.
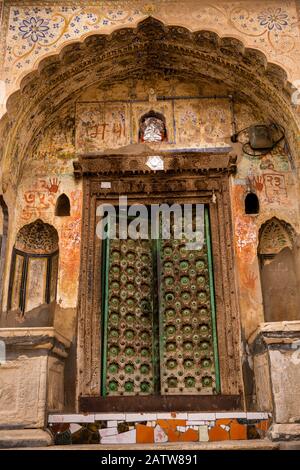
(35, 31)
(203, 123)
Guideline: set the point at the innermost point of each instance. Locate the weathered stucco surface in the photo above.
(276, 362)
(31, 380)
(23, 392)
(263, 388)
(286, 386)
(80, 87)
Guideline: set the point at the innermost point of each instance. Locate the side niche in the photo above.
(278, 269)
(34, 267)
(63, 206)
(251, 204)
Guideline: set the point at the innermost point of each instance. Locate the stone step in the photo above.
(29, 438)
(254, 444)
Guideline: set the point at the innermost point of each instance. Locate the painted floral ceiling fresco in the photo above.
(32, 31)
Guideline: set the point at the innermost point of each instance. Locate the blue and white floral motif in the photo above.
(273, 19)
(34, 29)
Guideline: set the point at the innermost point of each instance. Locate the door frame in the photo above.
(187, 178)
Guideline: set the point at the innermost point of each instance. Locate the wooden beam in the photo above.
(160, 403)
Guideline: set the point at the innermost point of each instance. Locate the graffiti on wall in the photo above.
(271, 185)
(275, 187)
(101, 126)
(190, 123)
(39, 198)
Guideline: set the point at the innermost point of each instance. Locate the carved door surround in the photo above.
(186, 178)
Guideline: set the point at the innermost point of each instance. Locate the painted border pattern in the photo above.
(268, 26)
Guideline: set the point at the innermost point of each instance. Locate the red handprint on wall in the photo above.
(250, 280)
(53, 185)
(257, 182)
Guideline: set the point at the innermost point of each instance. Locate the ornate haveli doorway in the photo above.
(154, 319)
(190, 106)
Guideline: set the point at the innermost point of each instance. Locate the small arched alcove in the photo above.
(63, 206)
(251, 204)
(280, 286)
(152, 127)
(34, 267)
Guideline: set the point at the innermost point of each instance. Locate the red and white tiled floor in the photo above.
(135, 428)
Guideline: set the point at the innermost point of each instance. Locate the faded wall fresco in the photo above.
(191, 123)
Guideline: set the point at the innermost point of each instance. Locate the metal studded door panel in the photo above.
(158, 337)
(188, 345)
(128, 363)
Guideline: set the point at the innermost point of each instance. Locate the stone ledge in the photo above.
(282, 327)
(33, 331)
(252, 444)
(24, 438)
(276, 335)
(35, 339)
(284, 432)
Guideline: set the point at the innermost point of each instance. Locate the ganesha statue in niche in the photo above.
(152, 129)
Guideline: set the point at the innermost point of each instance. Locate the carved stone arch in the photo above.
(37, 237)
(149, 48)
(274, 236)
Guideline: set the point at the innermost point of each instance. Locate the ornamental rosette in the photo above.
(34, 29)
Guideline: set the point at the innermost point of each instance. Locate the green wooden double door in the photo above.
(158, 318)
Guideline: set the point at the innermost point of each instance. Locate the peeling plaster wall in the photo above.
(275, 182)
(286, 386)
(48, 174)
(52, 152)
(47, 170)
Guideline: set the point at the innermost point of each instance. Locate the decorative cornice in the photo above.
(35, 339)
(275, 336)
(116, 164)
